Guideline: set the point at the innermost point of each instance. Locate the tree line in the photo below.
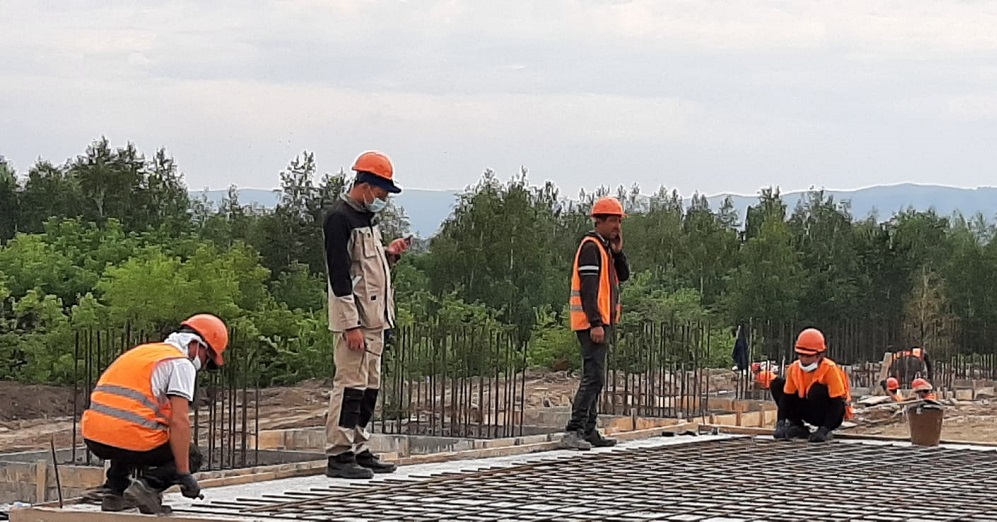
(113, 237)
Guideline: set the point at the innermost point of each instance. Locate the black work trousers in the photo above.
(585, 407)
(817, 408)
(158, 466)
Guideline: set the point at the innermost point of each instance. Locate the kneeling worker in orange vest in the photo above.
(138, 415)
(893, 389)
(815, 390)
(599, 267)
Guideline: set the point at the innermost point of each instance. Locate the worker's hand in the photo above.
(399, 246)
(616, 244)
(355, 340)
(598, 334)
(189, 486)
(821, 435)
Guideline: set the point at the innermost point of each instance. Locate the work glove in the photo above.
(389, 337)
(821, 435)
(189, 486)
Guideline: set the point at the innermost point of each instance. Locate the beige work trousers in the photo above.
(354, 393)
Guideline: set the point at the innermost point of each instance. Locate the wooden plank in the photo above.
(884, 371)
(743, 430)
(41, 477)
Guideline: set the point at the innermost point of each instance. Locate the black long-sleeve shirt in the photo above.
(590, 271)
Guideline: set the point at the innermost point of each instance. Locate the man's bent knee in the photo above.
(349, 411)
(818, 392)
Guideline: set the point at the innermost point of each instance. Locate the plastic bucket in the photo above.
(925, 423)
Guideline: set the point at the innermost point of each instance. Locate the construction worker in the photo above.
(361, 309)
(907, 365)
(599, 267)
(923, 390)
(763, 378)
(893, 389)
(138, 415)
(815, 390)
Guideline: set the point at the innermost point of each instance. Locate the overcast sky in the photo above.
(698, 95)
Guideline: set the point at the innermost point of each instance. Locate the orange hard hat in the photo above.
(920, 384)
(892, 384)
(756, 367)
(810, 342)
(379, 168)
(607, 206)
(213, 331)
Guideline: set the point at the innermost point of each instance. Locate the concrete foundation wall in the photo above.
(35, 482)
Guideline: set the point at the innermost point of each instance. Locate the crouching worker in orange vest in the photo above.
(599, 267)
(892, 387)
(138, 415)
(815, 390)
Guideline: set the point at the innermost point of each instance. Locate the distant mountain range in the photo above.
(426, 209)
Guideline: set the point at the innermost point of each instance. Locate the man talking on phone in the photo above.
(599, 268)
(361, 310)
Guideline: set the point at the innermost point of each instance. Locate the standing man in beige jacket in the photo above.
(361, 308)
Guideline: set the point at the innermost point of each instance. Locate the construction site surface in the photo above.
(689, 478)
(720, 467)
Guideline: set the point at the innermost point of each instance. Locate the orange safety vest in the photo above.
(124, 413)
(609, 285)
(803, 381)
(849, 410)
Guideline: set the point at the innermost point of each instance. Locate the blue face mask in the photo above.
(377, 205)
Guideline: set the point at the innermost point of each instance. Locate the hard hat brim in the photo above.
(373, 179)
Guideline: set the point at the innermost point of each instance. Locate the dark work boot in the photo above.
(797, 431)
(781, 430)
(598, 441)
(345, 466)
(575, 440)
(146, 498)
(114, 502)
(366, 459)
(96, 495)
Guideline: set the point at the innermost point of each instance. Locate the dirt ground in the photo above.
(965, 421)
(32, 415)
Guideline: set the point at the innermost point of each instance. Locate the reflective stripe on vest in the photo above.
(608, 287)
(136, 396)
(124, 412)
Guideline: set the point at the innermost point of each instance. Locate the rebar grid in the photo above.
(730, 480)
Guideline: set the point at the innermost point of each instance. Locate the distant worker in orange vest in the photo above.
(907, 365)
(139, 415)
(763, 378)
(923, 390)
(815, 390)
(893, 389)
(598, 269)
